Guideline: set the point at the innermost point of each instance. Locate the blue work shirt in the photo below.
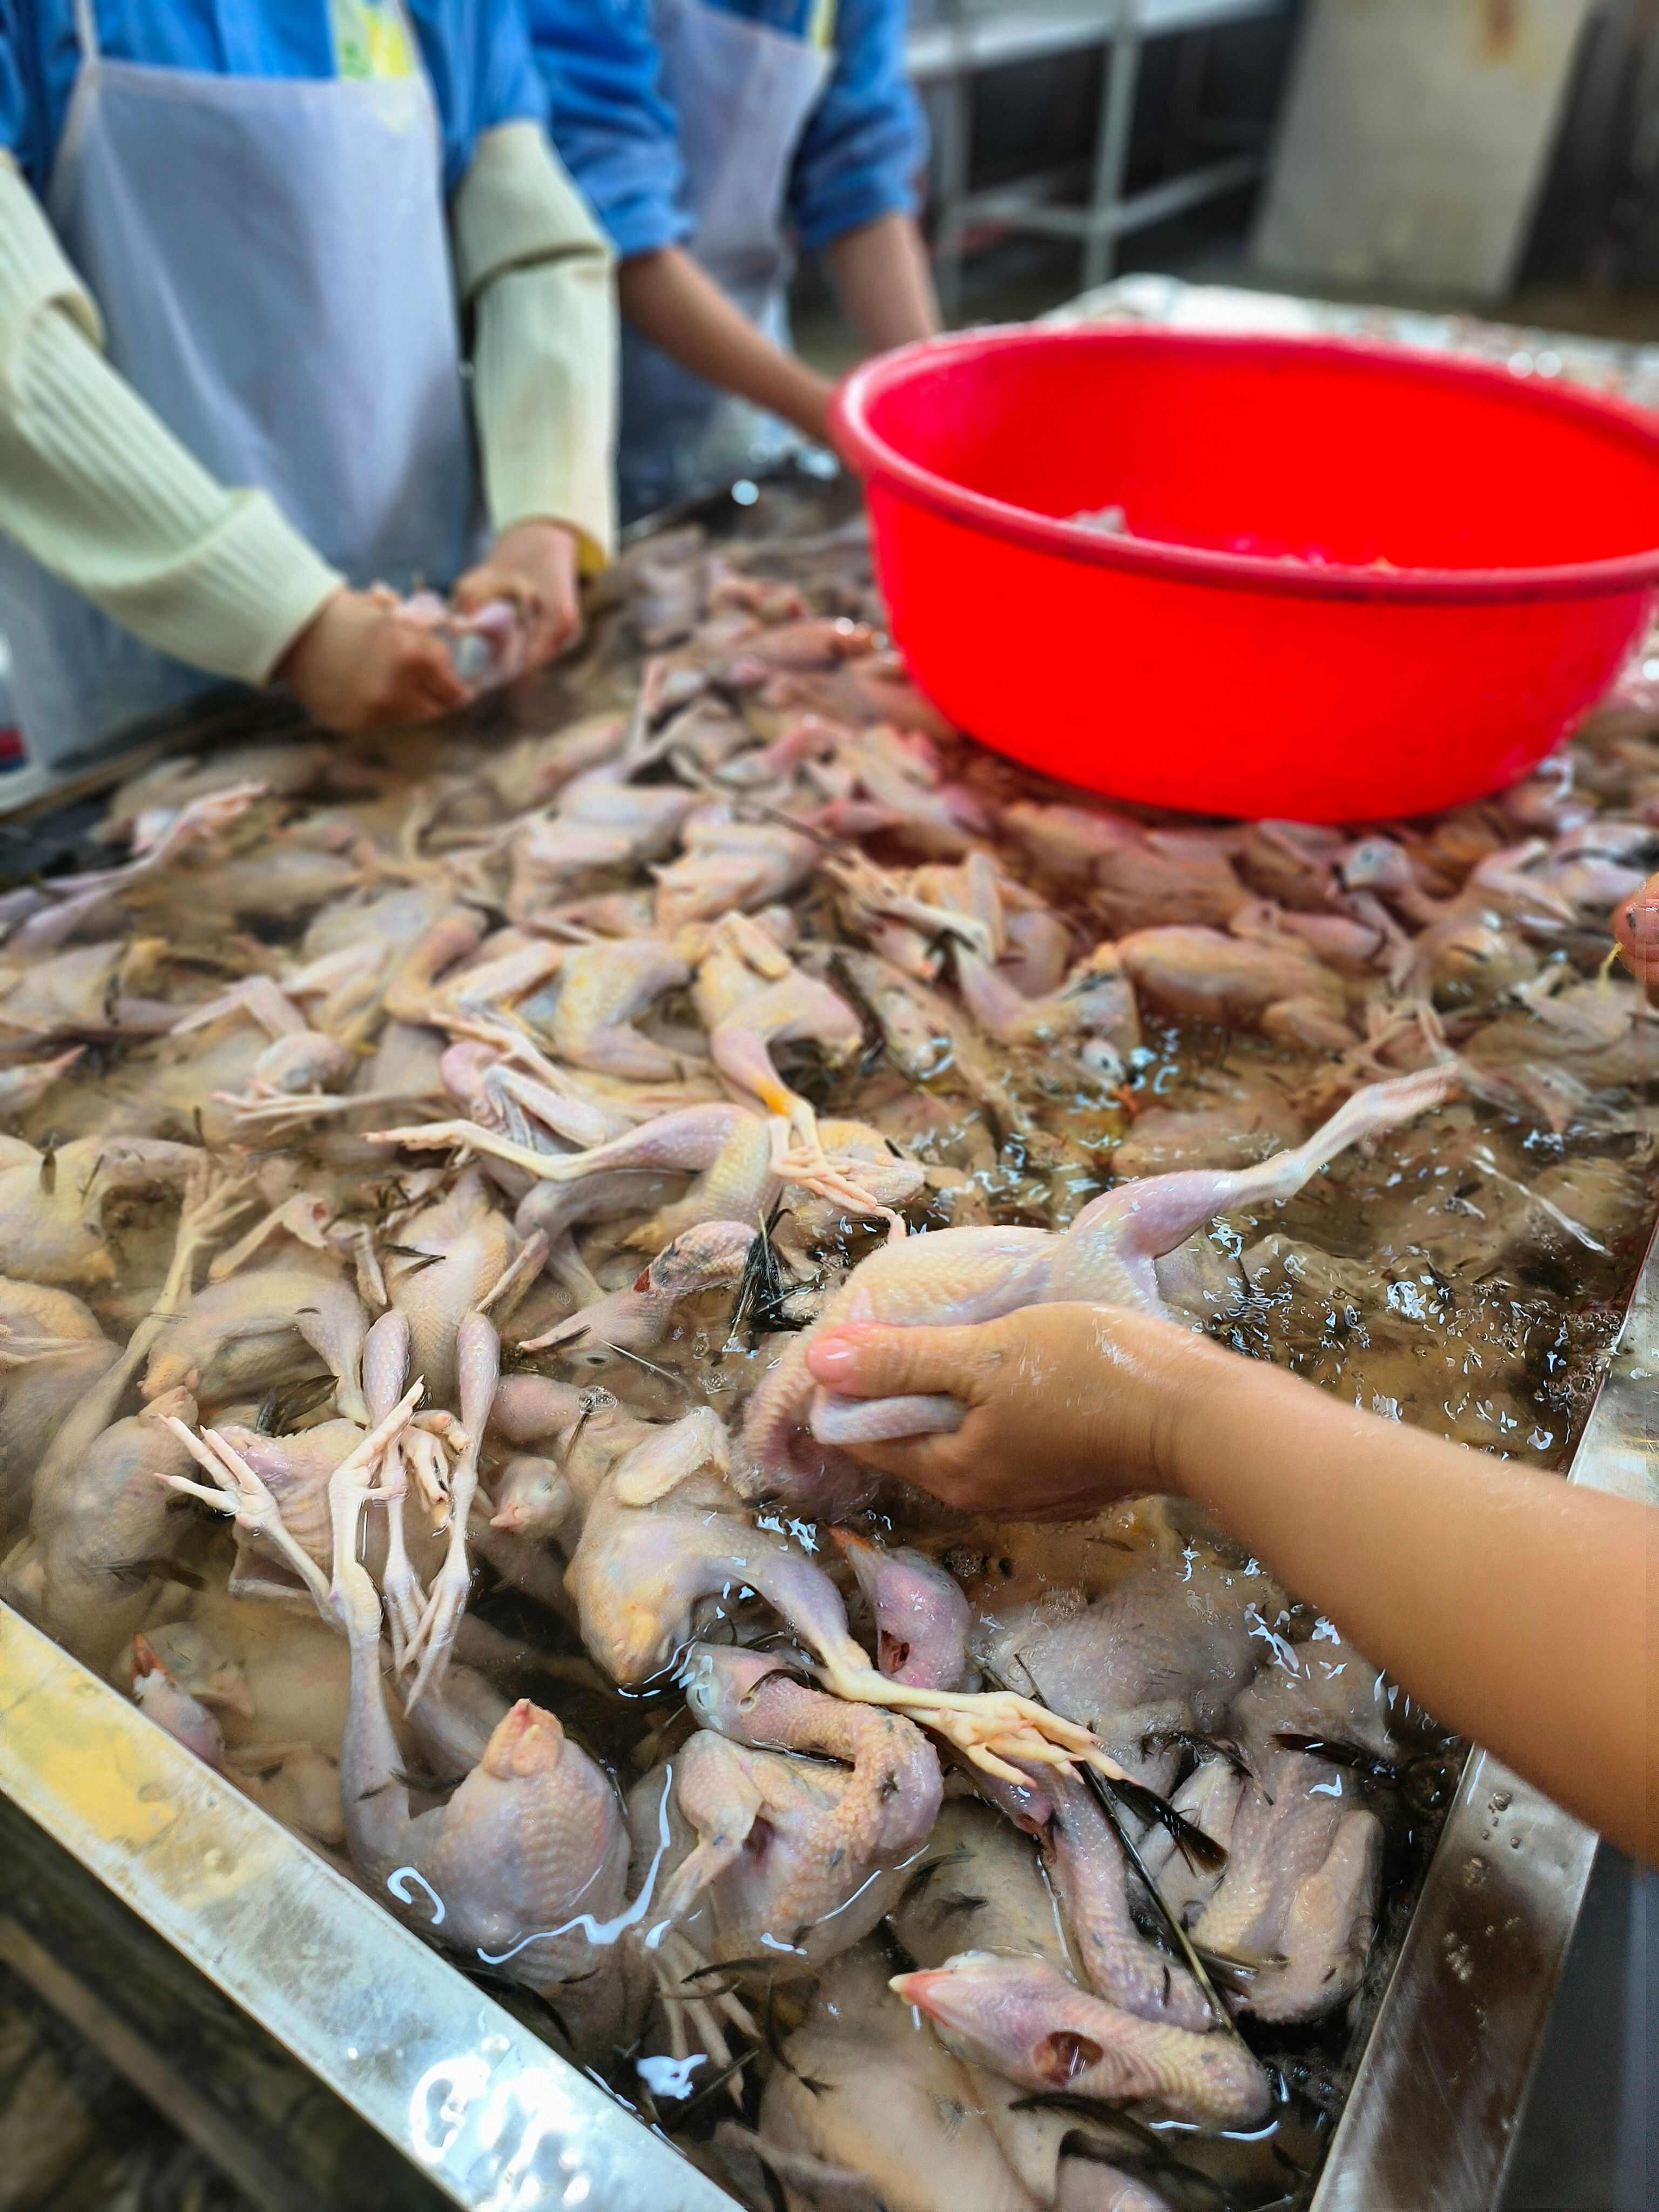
(477, 54)
(617, 133)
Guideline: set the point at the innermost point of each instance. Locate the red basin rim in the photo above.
(871, 455)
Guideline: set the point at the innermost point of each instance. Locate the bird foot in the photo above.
(405, 1597)
(434, 1639)
(810, 1168)
(214, 1197)
(990, 1728)
(235, 1489)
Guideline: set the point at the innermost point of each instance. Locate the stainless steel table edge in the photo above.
(1432, 2120)
(475, 2100)
(488, 2111)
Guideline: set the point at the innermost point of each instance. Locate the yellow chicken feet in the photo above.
(989, 1727)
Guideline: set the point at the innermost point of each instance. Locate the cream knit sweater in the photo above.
(104, 495)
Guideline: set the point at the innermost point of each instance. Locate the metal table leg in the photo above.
(1117, 116)
(953, 157)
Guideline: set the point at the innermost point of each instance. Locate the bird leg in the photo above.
(350, 1600)
(303, 1216)
(479, 1359)
(806, 1165)
(516, 1278)
(17, 1350)
(386, 1368)
(212, 1200)
(441, 1136)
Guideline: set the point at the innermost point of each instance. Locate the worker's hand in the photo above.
(1635, 925)
(534, 565)
(361, 665)
(1068, 1406)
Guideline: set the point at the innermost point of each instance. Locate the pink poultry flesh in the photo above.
(418, 1184)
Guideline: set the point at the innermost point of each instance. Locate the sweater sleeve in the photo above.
(537, 276)
(103, 496)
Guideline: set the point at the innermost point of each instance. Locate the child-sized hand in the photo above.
(361, 664)
(1635, 926)
(534, 565)
(1067, 1406)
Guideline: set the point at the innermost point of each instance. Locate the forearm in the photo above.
(1516, 1609)
(886, 285)
(97, 489)
(544, 390)
(679, 307)
(537, 274)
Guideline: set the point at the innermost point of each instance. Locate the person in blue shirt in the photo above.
(243, 244)
(711, 136)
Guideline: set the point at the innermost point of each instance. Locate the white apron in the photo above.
(271, 259)
(744, 95)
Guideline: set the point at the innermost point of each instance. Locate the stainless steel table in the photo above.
(242, 1983)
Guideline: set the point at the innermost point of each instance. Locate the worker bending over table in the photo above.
(710, 135)
(239, 242)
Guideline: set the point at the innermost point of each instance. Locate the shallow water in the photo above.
(1424, 1281)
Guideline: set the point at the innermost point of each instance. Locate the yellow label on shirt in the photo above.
(371, 40)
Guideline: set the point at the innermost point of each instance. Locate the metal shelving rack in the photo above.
(975, 36)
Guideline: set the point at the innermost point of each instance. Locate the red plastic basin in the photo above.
(1361, 582)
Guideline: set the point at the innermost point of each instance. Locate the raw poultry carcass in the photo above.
(1138, 879)
(1277, 983)
(728, 864)
(792, 1428)
(1010, 954)
(795, 1815)
(52, 1351)
(47, 915)
(53, 1203)
(88, 991)
(421, 1176)
(664, 1534)
(1293, 1913)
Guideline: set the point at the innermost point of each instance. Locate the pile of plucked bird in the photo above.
(424, 1169)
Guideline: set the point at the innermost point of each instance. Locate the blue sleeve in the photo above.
(865, 144)
(12, 115)
(22, 126)
(611, 122)
(478, 56)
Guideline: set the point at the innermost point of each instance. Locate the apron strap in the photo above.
(86, 31)
(820, 24)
